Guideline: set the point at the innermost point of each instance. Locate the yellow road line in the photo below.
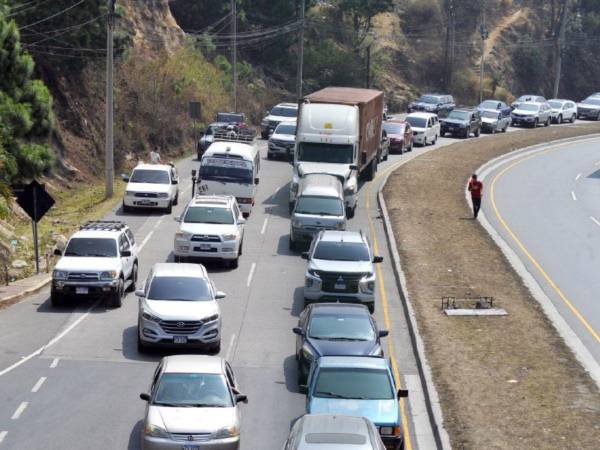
(384, 300)
(524, 249)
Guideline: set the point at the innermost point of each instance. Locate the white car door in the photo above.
(126, 261)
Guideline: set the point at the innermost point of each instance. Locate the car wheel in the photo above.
(560, 119)
(547, 124)
(387, 154)
(116, 299)
(169, 208)
(573, 117)
(350, 212)
(442, 133)
(233, 263)
(535, 123)
(435, 140)
(372, 170)
(133, 278)
(478, 132)
(410, 147)
(466, 134)
(505, 128)
(598, 116)
(264, 135)
(176, 200)
(290, 207)
(56, 299)
(371, 307)
(126, 209)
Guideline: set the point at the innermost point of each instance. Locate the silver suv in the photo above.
(340, 269)
(178, 306)
(318, 206)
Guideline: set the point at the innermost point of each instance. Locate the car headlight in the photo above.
(155, 431)
(389, 431)
(307, 353)
(149, 316)
(60, 274)
(227, 432)
(182, 235)
(229, 237)
(264, 122)
(108, 275)
(129, 193)
(163, 195)
(313, 273)
(296, 224)
(211, 318)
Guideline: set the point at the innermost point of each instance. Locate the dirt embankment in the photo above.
(504, 382)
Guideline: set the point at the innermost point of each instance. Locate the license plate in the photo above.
(340, 286)
(145, 202)
(204, 247)
(450, 129)
(82, 290)
(180, 340)
(190, 447)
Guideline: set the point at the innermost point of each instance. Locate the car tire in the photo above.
(387, 154)
(264, 135)
(466, 134)
(133, 278)
(233, 263)
(56, 300)
(176, 200)
(350, 212)
(442, 133)
(559, 120)
(478, 132)
(215, 349)
(435, 140)
(547, 123)
(198, 156)
(169, 208)
(290, 207)
(116, 298)
(371, 307)
(126, 209)
(573, 118)
(372, 170)
(598, 116)
(410, 148)
(535, 123)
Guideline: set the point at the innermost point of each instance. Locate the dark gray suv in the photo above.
(461, 122)
(439, 104)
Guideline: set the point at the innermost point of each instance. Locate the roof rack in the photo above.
(226, 136)
(103, 225)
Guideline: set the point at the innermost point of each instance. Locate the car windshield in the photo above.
(354, 383)
(393, 128)
(556, 104)
(325, 153)
(417, 122)
(489, 114)
(95, 247)
(284, 112)
(150, 176)
(529, 107)
(208, 214)
(192, 390)
(341, 251)
(185, 289)
(231, 170)
(488, 104)
(592, 101)
(525, 98)
(230, 117)
(286, 129)
(321, 206)
(460, 115)
(340, 327)
(429, 99)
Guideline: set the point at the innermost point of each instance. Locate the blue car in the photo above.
(358, 386)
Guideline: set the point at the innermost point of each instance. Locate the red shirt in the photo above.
(476, 188)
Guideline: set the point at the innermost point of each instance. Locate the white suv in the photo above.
(283, 112)
(151, 186)
(178, 306)
(99, 260)
(212, 227)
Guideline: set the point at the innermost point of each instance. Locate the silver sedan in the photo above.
(192, 405)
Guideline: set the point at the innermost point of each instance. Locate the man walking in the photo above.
(476, 189)
(155, 156)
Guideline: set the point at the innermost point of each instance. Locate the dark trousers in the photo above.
(476, 206)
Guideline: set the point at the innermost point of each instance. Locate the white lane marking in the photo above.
(578, 177)
(54, 363)
(147, 238)
(251, 274)
(38, 385)
(3, 435)
(573, 195)
(230, 348)
(19, 411)
(596, 221)
(264, 227)
(53, 341)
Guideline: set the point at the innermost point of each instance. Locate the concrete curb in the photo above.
(432, 402)
(570, 338)
(38, 287)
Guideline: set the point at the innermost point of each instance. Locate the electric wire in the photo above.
(52, 16)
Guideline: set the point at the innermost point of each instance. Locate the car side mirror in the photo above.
(174, 182)
(383, 333)
(377, 259)
(304, 255)
(125, 253)
(57, 252)
(299, 331)
(402, 393)
(140, 293)
(241, 398)
(256, 180)
(220, 295)
(144, 396)
(353, 167)
(177, 218)
(241, 221)
(125, 177)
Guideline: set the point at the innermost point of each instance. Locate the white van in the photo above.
(230, 168)
(426, 127)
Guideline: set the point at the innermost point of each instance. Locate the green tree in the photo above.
(25, 110)
(361, 13)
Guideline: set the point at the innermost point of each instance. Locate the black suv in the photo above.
(461, 122)
(433, 103)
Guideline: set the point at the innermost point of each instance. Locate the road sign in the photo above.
(35, 201)
(195, 110)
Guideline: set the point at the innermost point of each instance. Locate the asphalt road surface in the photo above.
(548, 202)
(71, 377)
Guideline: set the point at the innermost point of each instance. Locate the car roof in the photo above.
(335, 431)
(422, 115)
(337, 308)
(362, 362)
(179, 270)
(342, 236)
(321, 184)
(145, 166)
(463, 110)
(398, 121)
(216, 201)
(559, 100)
(287, 105)
(530, 103)
(193, 364)
(112, 234)
(246, 151)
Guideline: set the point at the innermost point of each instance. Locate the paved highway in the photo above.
(546, 207)
(71, 377)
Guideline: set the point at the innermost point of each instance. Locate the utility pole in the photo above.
(559, 46)
(234, 51)
(368, 80)
(484, 35)
(109, 145)
(452, 42)
(449, 49)
(300, 68)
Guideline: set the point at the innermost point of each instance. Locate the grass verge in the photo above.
(503, 382)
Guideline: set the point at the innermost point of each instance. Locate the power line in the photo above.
(17, 11)
(52, 16)
(62, 31)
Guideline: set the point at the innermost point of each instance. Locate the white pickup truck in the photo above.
(100, 260)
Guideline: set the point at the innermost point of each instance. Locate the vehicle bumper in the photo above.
(152, 334)
(454, 130)
(419, 139)
(587, 114)
(523, 121)
(488, 127)
(392, 442)
(95, 288)
(216, 250)
(139, 202)
(313, 291)
(278, 150)
(396, 146)
(153, 443)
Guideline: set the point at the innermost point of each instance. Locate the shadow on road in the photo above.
(290, 372)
